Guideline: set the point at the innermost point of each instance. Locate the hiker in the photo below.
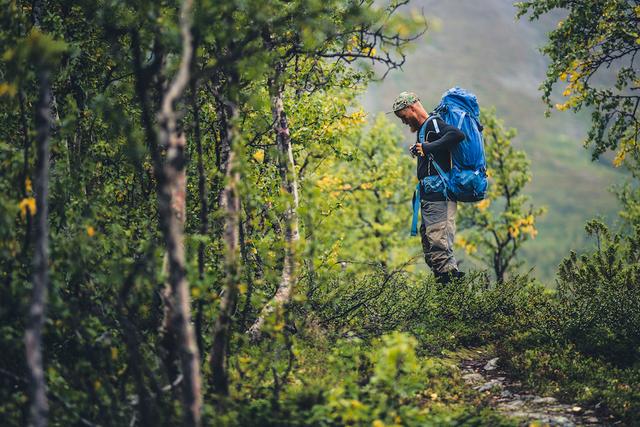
(438, 213)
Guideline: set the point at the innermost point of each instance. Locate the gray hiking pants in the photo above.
(437, 231)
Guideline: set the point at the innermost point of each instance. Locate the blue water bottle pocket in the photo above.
(433, 184)
(468, 185)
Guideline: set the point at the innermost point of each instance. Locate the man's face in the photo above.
(409, 117)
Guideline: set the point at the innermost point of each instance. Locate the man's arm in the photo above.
(451, 136)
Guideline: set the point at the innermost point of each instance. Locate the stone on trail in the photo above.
(491, 364)
(473, 378)
(544, 400)
(511, 400)
(512, 406)
(506, 393)
(490, 385)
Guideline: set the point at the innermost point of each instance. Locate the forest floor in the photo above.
(481, 371)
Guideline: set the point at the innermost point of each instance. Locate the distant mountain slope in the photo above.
(482, 47)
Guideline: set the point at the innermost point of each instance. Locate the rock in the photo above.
(491, 364)
(544, 400)
(592, 420)
(514, 405)
(560, 421)
(489, 386)
(473, 378)
(576, 409)
(520, 414)
(506, 393)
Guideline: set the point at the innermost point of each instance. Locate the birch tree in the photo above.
(172, 209)
(44, 52)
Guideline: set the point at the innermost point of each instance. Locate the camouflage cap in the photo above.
(404, 100)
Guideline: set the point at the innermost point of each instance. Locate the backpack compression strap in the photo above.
(416, 209)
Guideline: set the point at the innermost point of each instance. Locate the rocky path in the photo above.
(510, 399)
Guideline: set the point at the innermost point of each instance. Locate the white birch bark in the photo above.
(172, 209)
(286, 166)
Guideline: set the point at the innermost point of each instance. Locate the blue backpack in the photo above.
(467, 180)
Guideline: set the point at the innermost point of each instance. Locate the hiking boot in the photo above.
(448, 277)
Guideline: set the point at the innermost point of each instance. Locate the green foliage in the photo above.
(583, 342)
(360, 199)
(629, 197)
(110, 63)
(593, 38)
(371, 331)
(499, 225)
(383, 382)
(599, 297)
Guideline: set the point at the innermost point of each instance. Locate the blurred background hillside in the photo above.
(479, 45)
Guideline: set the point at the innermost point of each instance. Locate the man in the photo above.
(438, 214)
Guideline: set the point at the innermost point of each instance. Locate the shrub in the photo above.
(599, 297)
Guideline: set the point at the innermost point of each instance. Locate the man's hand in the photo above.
(416, 150)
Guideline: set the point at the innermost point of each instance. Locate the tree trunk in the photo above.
(39, 407)
(286, 167)
(172, 210)
(230, 204)
(204, 205)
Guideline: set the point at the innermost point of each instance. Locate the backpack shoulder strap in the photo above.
(423, 128)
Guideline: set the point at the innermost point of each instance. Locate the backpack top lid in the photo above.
(458, 98)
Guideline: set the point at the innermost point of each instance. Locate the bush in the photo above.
(599, 297)
(583, 343)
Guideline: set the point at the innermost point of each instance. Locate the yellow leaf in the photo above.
(366, 186)
(114, 353)
(27, 185)
(28, 203)
(483, 205)
(90, 231)
(242, 288)
(617, 161)
(259, 156)
(8, 89)
(356, 404)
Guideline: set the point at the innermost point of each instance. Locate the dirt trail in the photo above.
(510, 399)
